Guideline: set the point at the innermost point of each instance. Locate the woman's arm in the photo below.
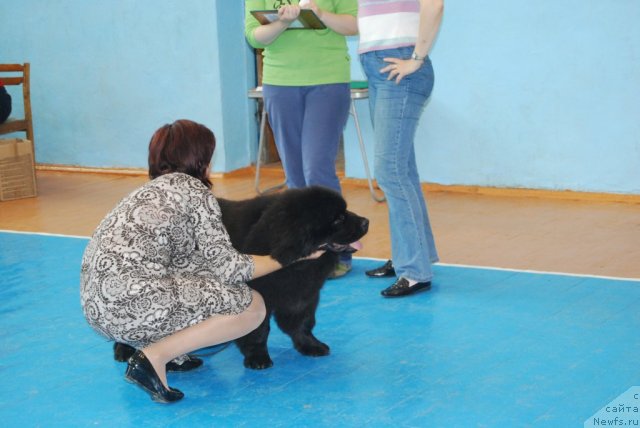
(430, 19)
(344, 24)
(265, 264)
(266, 34)
(431, 12)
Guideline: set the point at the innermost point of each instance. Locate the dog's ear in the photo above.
(289, 235)
(285, 229)
(291, 244)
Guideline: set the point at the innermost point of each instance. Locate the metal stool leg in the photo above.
(263, 122)
(363, 152)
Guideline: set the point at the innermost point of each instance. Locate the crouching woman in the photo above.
(160, 273)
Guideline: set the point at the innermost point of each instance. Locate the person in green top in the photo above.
(305, 81)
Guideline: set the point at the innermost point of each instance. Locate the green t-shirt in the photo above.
(303, 57)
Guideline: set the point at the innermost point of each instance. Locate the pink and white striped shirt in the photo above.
(387, 24)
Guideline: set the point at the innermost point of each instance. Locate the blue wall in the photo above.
(107, 74)
(542, 94)
(528, 94)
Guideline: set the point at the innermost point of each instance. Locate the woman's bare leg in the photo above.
(212, 331)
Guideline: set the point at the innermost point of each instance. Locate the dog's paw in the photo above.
(258, 362)
(317, 349)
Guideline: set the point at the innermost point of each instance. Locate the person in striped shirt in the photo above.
(396, 37)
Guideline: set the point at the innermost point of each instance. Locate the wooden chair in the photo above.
(15, 75)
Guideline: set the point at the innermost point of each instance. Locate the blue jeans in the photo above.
(307, 124)
(395, 112)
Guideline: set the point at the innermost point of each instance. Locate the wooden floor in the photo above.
(593, 238)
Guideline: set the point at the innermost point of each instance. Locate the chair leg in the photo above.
(263, 123)
(30, 133)
(363, 152)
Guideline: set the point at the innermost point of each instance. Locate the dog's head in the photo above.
(307, 219)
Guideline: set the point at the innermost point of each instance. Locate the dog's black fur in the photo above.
(288, 226)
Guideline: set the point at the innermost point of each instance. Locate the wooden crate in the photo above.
(17, 169)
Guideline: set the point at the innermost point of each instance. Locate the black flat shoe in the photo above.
(402, 288)
(122, 352)
(141, 372)
(382, 271)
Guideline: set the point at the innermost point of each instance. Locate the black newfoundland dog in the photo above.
(288, 226)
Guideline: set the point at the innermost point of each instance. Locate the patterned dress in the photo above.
(162, 261)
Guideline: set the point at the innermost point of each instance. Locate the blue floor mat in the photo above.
(484, 347)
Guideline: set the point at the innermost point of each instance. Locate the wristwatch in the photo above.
(417, 57)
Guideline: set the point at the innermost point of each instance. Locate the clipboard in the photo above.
(307, 20)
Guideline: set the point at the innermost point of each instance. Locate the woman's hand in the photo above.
(344, 24)
(311, 4)
(266, 34)
(399, 68)
(313, 256)
(288, 13)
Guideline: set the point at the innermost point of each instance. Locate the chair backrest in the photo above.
(16, 75)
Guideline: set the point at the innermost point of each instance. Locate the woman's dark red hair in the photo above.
(183, 146)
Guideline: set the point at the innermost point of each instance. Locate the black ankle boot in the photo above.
(141, 372)
(189, 363)
(122, 353)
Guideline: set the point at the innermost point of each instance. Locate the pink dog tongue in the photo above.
(356, 245)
